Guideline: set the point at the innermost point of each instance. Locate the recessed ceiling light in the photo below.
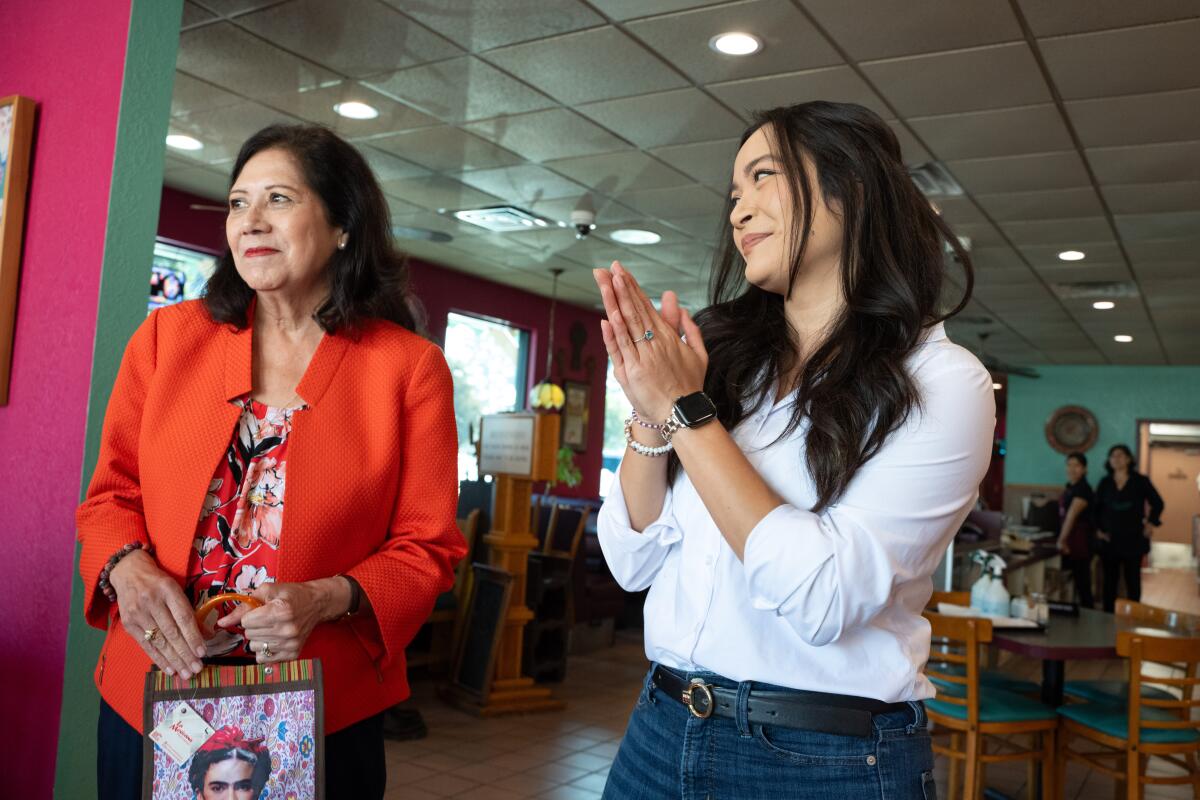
(1103, 305)
(181, 142)
(635, 236)
(735, 44)
(356, 110)
(1123, 338)
(997, 386)
(1072, 255)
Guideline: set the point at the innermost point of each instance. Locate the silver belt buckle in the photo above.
(689, 699)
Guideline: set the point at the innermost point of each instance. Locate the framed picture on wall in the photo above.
(575, 415)
(16, 140)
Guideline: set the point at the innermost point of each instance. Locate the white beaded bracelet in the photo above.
(641, 449)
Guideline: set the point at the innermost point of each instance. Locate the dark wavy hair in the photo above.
(1125, 449)
(854, 387)
(204, 759)
(369, 279)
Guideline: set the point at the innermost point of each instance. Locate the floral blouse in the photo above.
(237, 540)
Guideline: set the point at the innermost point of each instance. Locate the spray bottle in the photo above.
(989, 595)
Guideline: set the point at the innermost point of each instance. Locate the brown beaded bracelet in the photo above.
(104, 583)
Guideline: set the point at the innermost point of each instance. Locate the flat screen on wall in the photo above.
(177, 274)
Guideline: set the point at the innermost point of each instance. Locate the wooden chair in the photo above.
(964, 710)
(446, 617)
(1143, 728)
(992, 676)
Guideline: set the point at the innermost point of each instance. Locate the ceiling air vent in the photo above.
(502, 219)
(934, 180)
(1096, 290)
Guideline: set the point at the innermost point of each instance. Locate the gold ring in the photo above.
(266, 651)
(149, 634)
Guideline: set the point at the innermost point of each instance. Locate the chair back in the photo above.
(565, 530)
(956, 640)
(1143, 648)
(542, 518)
(469, 526)
(951, 598)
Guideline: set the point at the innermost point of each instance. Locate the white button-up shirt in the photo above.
(827, 602)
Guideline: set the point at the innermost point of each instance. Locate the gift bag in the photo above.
(254, 730)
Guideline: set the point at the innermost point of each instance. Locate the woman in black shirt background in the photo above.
(1075, 536)
(1126, 510)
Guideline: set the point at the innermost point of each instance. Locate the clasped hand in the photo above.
(660, 367)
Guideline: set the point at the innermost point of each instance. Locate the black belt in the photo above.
(840, 714)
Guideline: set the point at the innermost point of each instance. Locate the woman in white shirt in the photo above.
(828, 440)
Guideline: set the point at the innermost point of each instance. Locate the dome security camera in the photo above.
(584, 222)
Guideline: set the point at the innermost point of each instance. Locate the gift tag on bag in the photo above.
(182, 733)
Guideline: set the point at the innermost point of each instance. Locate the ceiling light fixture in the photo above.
(356, 110)
(735, 44)
(1103, 305)
(181, 142)
(1072, 255)
(635, 236)
(1123, 338)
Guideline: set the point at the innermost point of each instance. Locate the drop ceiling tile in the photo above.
(838, 84)
(1021, 173)
(193, 96)
(546, 135)
(985, 134)
(676, 203)
(709, 163)
(657, 120)
(232, 8)
(608, 212)
(398, 208)
(981, 234)
(1106, 252)
(1063, 273)
(790, 42)
(206, 182)
(613, 173)
(1154, 163)
(1148, 198)
(1154, 58)
(483, 24)
(388, 166)
(631, 9)
(598, 64)
(1167, 270)
(1177, 225)
(446, 149)
(461, 90)
(225, 55)
(998, 76)
(705, 229)
(317, 106)
(691, 258)
(867, 30)
(523, 183)
(1137, 119)
(362, 38)
(1053, 204)
(223, 130)
(1058, 231)
(911, 150)
(998, 258)
(956, 210)
(1165, 250)
(195, 15)
(1079, 16)
(437, 191)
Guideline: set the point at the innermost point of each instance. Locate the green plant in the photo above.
(568, 471)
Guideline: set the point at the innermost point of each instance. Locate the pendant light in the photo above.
(547, 395)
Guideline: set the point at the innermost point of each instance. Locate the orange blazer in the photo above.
(371, 491)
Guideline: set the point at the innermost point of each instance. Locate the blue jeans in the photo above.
(669, 753)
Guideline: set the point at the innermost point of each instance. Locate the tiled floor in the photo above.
(566, 755)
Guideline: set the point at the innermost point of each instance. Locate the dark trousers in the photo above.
(1131, 566)
(354, 759)
(1081, 573)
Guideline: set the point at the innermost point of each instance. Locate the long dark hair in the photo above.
(367, 280)
(1124, 448)
(854, 388)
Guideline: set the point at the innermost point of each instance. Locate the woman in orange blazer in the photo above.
(297, 384)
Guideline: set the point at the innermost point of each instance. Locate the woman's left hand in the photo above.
(278, 629)
(1148, 529)
(655, 371)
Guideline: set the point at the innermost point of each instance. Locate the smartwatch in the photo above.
(693, 410)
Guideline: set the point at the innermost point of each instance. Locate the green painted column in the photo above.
(128, 249)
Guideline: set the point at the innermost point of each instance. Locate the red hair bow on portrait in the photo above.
(230, 737)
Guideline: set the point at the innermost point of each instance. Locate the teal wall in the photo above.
(1118, 396)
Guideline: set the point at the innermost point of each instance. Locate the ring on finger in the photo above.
(150, 634)
(645, 337)
(266, 650)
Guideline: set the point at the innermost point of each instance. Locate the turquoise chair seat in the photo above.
(1111, 692)
(995, 705)
(1114, 721)
(988, 677)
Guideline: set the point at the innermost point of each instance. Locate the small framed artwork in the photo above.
(16, 141)
(575, 415)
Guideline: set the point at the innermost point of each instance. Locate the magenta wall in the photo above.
(178, 221)
(70, 59)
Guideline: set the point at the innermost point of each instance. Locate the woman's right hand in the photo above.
(150, 600)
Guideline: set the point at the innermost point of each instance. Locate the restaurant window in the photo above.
(488, 359)
(616, 410)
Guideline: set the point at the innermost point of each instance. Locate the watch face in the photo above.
(695, 409)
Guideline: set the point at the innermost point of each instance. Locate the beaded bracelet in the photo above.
(104, 583)
(652, 426)
(641, 449)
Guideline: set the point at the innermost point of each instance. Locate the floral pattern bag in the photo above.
(268, 722)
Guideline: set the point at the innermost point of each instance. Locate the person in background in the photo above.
(1126, 511)
(1075, 535)
(296, 391)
